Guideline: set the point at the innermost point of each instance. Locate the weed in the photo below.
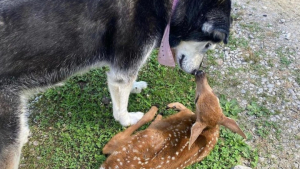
(283, 53)
(234, 43)
(298, 76)
(257, 110)
(232, 81)
(210, 58)
(285, 61)
(254, 57)
(230, 108)
(263, 125)
(252, 27)
(297, 137)
(270, 63)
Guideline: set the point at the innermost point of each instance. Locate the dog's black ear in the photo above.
(219, 32)
(221, 35)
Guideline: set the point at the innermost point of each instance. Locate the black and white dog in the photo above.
(42, 42)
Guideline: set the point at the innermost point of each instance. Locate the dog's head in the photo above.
(196, 26)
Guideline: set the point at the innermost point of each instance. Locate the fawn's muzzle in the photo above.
(200, 75)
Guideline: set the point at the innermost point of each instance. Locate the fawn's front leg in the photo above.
(121, 138)
(176, 105)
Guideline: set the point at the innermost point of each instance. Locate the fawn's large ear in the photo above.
(232, 125)
(196, 130)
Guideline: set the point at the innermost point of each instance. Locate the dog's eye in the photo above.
(207, 45)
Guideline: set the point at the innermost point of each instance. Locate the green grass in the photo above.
(210, 58)
(263, 125)
(71, 124)
(283, 54)
(253, 27)
(297, 74)
(234, 43)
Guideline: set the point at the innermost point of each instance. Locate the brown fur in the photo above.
(175, 142)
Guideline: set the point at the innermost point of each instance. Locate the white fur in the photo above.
(24, 128)
(193, 52)
(120, 91)
(138, 86)
(207, 27)
(119, 94)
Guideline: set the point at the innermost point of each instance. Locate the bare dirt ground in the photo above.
(289, 10)
(271, 77)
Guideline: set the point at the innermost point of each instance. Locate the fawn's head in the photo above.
(208, 110)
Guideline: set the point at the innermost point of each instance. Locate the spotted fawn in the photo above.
(175, 142)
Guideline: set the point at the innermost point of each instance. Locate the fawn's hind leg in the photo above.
(121, 138)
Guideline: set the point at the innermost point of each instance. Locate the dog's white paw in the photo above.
(138, 86)
(130, 118)
(116, 116)
(135, 117)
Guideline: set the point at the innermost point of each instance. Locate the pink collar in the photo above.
(165, 56)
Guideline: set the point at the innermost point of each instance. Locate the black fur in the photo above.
(188, 27)
(42, 42)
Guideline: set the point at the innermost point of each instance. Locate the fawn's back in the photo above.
(165, 144)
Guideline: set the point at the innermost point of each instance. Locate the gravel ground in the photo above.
(266, 70)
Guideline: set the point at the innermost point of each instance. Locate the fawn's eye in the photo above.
(207, 45)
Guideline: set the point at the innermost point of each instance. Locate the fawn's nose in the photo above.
(199, 74)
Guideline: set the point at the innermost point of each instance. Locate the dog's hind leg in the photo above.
(13, 129)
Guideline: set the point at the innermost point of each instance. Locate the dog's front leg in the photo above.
(120, 87)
